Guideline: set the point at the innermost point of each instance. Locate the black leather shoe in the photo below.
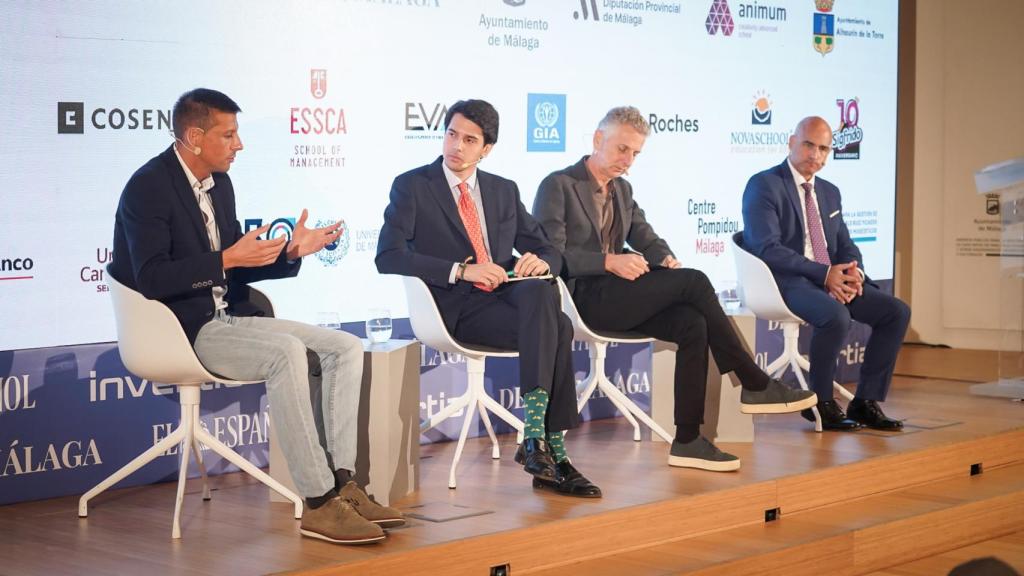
(534, 456)
(570, 482)
(832, 417)
(870, 414)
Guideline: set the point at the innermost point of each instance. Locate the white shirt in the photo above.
(799, 179)
(202, 194)
(474, 192)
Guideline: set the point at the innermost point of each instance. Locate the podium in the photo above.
(1002, 185)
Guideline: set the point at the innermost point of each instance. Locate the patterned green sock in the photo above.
(556, 443)
(536, 401)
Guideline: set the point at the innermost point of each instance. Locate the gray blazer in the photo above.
(565, 208)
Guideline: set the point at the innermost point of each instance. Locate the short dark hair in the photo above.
(478, 112)
(193, 109)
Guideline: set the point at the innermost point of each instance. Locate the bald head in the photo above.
(809, 145)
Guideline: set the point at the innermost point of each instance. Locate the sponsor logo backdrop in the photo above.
(338, 98)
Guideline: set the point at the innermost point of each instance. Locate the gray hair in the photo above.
(625, 116)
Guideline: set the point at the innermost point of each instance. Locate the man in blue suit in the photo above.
(177, 240)
(794, 222)
(455, 227)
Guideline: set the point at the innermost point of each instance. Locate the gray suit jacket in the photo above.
(565, 207)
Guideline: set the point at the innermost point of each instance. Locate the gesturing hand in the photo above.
(251, 252)
(306, 241)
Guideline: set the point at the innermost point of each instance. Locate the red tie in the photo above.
(470, 219)
(814, 228)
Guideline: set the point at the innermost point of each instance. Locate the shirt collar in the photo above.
(454, 181)
(798, 177)
(594, 185)
(194, 182)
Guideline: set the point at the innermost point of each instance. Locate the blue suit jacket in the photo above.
(773, 226)
(423, 234)
(162, 250)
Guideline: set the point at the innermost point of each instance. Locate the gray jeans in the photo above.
(271, 349)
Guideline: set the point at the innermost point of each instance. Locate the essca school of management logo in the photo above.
(283, 227)
(545, 126)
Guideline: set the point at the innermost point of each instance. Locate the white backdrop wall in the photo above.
(87, 90)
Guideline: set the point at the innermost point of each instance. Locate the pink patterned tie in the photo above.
(470, 219)
(814, 227)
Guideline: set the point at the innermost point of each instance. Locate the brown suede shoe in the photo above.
(383, 516)
(338, 522)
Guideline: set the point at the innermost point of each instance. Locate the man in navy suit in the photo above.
(455, 227)
(177, 240)
(794, 222)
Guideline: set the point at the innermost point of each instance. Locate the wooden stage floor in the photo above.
(241, 532)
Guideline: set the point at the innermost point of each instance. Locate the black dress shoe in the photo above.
(832, 417)
(570, 482)
(534, 456)
(870, 414)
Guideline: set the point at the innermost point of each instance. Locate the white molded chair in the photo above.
(760, 293)
(430, 330)
(598, 344)
(153, 346)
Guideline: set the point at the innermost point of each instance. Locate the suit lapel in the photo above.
(491, 200)
(793, 194)
(186, 196)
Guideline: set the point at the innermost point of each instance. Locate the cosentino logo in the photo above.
(314, 121)
(673, 124)
(425, 120)
(19, 268)
(72, 118)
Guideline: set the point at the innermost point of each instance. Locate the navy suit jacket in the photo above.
(773, 226)
(162, 250)
(423, 234)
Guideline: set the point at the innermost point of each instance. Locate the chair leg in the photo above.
(197, 450)
(141, 460)
(778, 366)
(248, 467)
(186, 445)
(495, 451)
(630, 409)
(470, 408)
(588, 386)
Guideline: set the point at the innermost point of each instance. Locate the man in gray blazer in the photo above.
(588, 212)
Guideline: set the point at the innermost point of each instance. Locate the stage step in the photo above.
(849, 538)
(878, 511)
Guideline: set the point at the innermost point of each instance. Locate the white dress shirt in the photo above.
(202, 194)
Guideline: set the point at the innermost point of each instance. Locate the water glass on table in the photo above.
(378, 325)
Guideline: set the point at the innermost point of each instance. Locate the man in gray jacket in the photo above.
(588, 212)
